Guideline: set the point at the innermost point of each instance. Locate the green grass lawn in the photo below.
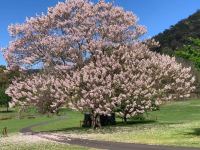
(32, 142)
(41, 146)
(178, 123)
(72, 122)
(14, 124)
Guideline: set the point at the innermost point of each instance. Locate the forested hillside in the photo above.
(178, 35)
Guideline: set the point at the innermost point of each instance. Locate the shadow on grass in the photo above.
(170, 123)
(104, 129)
(4, 111)
(134, 122)
(195, 132)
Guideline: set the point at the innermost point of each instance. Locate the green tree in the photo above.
(4, 98)
(191, 52)
(6, 78)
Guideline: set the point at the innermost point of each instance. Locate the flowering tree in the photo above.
(120, 75)
(69, 33)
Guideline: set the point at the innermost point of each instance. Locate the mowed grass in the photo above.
(176, 123)
(14, 124)
(179, 112)
(72, 122)
(32, 142)
(41, 146)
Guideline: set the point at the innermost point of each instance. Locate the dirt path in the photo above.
(95, 143)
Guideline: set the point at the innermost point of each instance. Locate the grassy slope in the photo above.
(178, 123)
(179, 112)
(14, 124)
(71, 123)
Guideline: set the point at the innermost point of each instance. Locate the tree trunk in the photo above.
(20, 114)
(125, 119)
(7, 106)
(96, 123)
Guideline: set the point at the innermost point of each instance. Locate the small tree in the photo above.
(4, 98)
(5, 79)
(191, 52)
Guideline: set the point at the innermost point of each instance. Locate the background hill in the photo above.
(178, 35)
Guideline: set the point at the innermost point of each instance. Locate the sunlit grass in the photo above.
(31, 142)
(14, 124)
(178, 123)
(42, 146)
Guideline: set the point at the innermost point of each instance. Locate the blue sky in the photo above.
(156, 15)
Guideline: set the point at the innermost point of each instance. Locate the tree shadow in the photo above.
(5, 111)
(104, 129)
(195, 132)
(170, 123)
(134, 122)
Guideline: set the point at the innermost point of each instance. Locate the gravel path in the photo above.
(94, 143)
